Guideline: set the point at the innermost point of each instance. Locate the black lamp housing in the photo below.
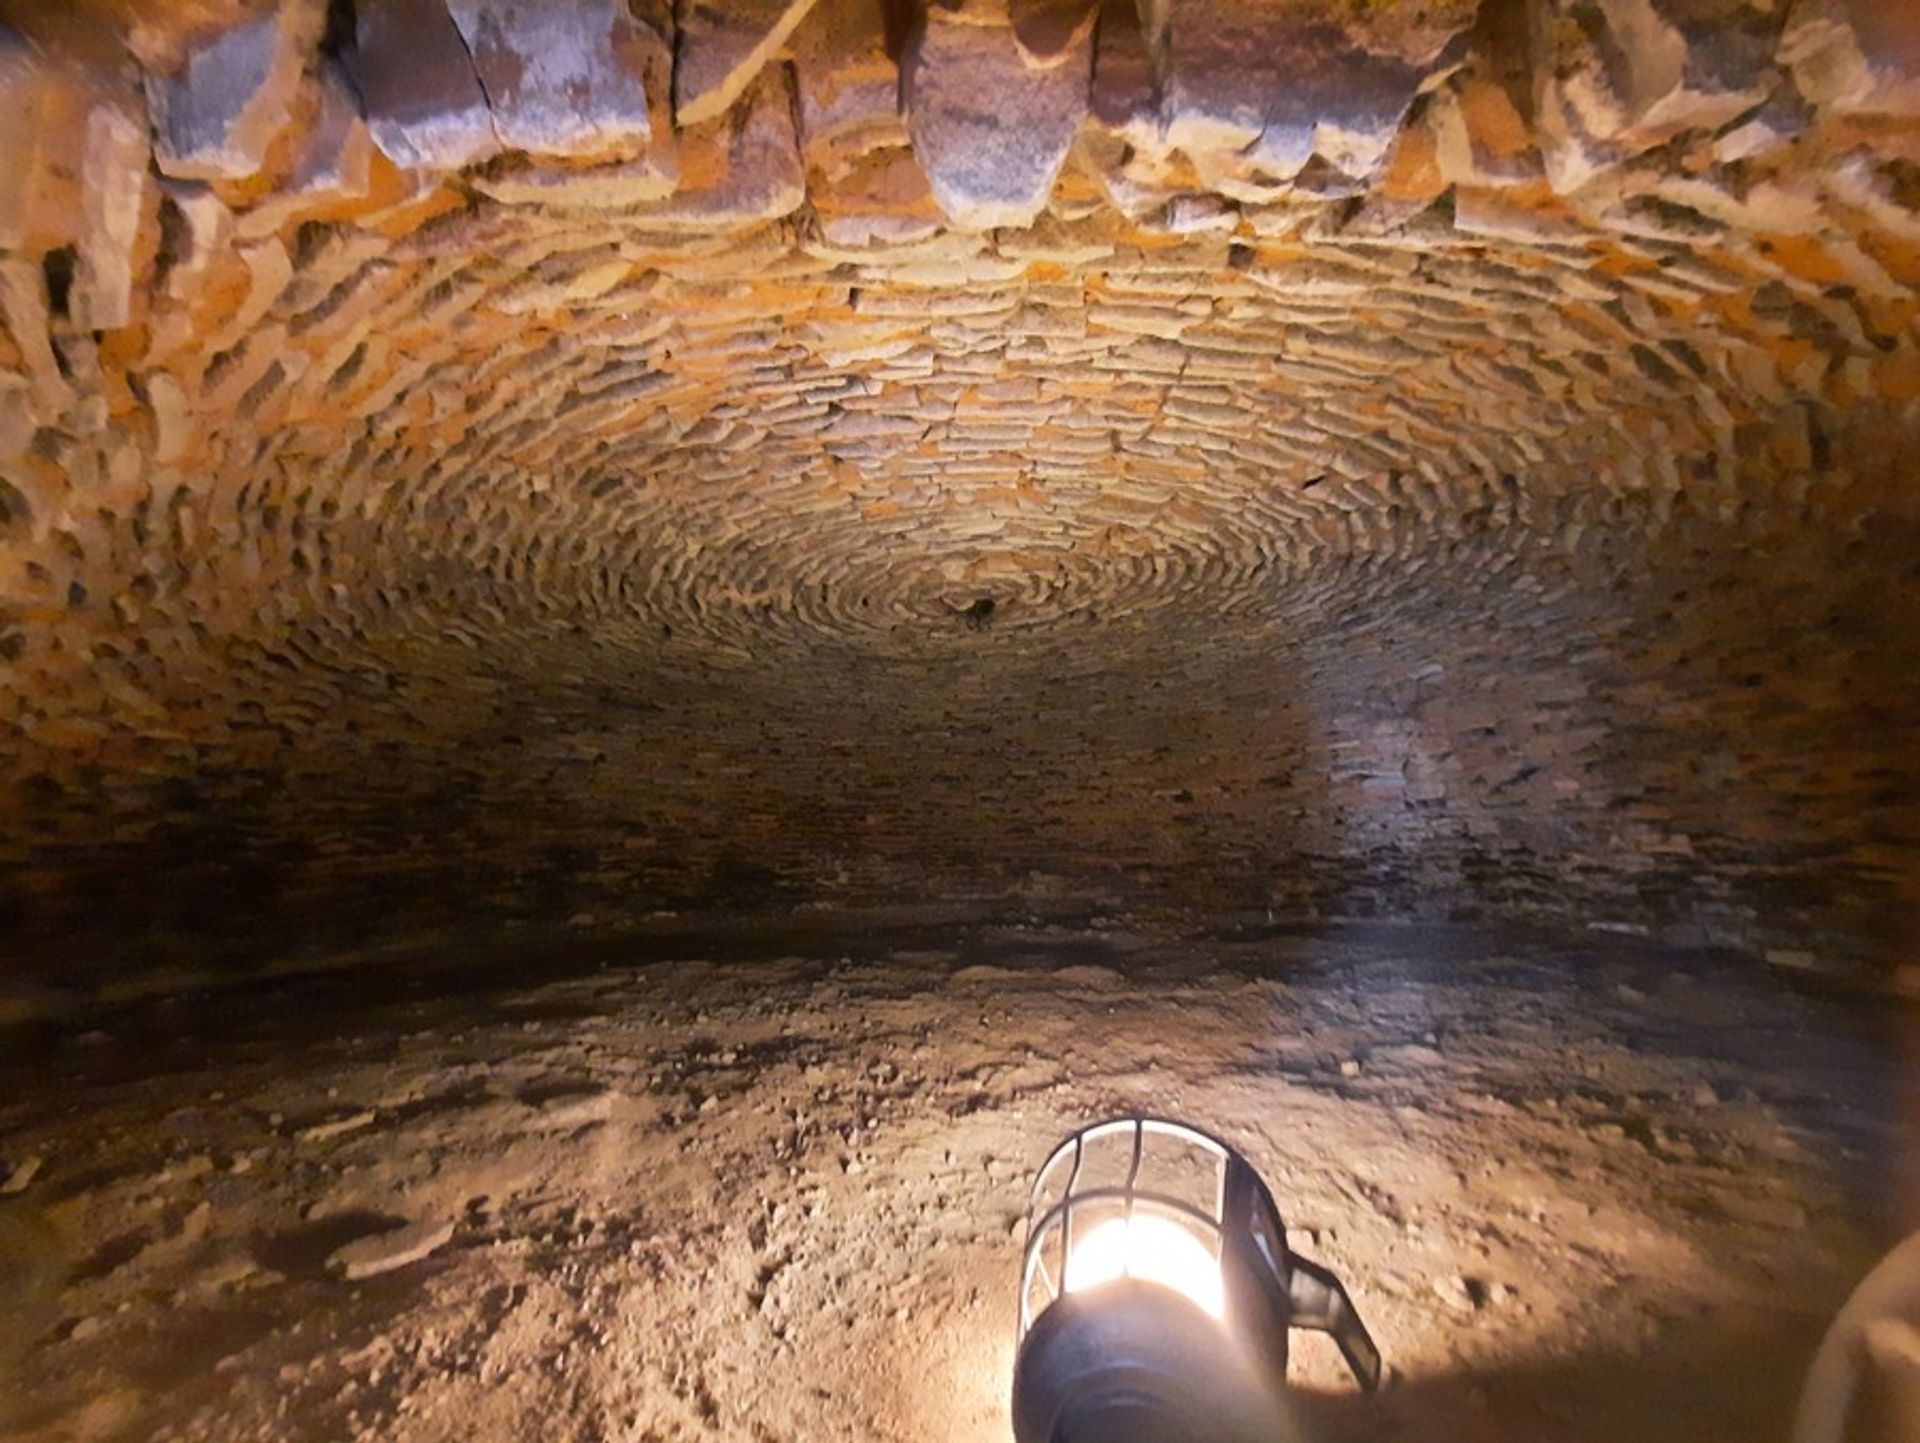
(1157, 1292)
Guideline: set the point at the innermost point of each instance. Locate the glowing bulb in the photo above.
(1152, 1249)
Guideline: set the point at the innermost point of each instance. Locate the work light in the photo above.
(1156, 1293)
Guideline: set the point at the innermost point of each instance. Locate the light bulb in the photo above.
(1152, 1249)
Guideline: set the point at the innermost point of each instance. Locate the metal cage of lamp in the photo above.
(1145, 1189)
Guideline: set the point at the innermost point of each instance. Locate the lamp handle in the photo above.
(1318, 1301)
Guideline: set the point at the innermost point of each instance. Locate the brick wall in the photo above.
(479, 459)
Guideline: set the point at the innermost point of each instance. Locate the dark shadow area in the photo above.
(302, 1252)
(1703, 1380)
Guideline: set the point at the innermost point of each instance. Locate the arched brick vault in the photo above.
(478, 456)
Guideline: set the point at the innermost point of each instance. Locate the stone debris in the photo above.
(21, 1174)
(424, 103)
(43, 130)
(1458, 1294)
(215, 119)
(332, 164)
(561, 77)
(1855, 56)
(991, 164)
(723, 45)
(336, 1127)
(578, 1109)
(386, 1252)
(118, 204)
(1275, 84)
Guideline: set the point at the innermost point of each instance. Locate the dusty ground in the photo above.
(767, 1189)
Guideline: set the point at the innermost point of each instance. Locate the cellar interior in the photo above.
(643, 644)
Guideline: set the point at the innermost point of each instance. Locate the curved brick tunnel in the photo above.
(824, 591)
(471, 459)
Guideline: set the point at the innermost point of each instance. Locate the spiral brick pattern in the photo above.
(1327, 455)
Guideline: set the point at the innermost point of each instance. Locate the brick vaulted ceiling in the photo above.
(1343, 454)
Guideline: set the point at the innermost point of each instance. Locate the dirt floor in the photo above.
(768, 1186)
